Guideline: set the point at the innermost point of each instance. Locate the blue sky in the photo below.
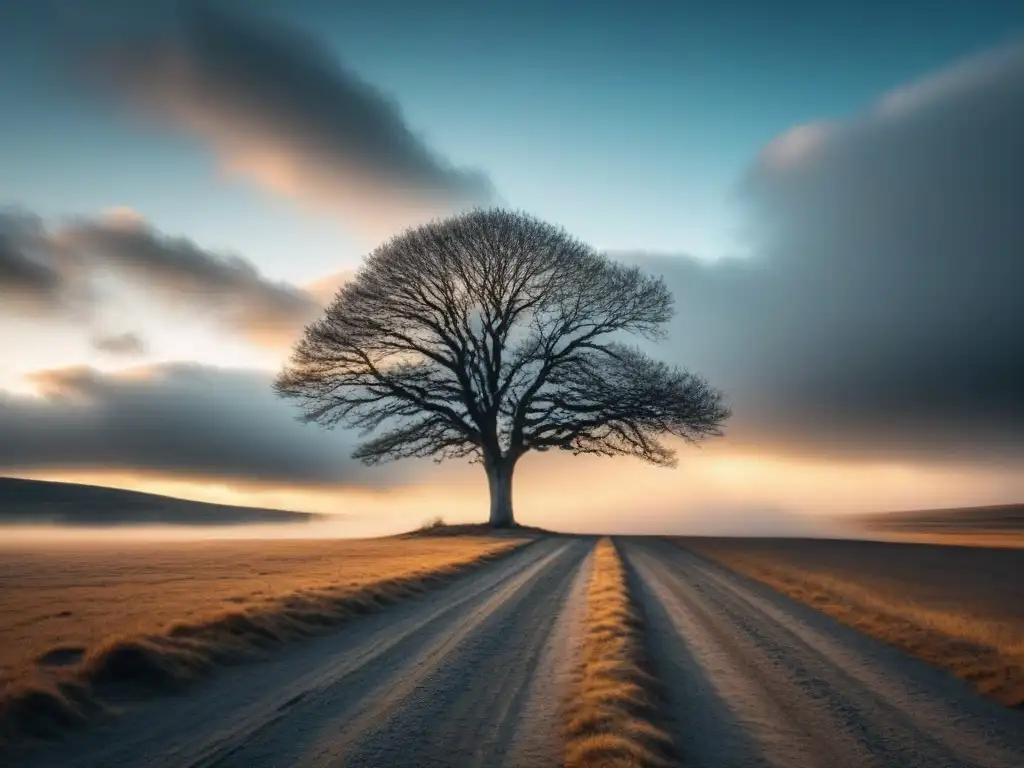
(633, 125)
(629, 123)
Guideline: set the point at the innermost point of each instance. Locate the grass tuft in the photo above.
(611, 719)
(188, 650)
(987, 653)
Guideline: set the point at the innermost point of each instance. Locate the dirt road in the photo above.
(473, 674)
(753, 678)
(476, 673)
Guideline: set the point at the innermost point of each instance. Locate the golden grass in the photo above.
(997, 539)
(975, 638)
(610, 721)
(163, 615)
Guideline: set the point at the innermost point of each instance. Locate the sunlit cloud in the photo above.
(123, 217)
(279, 109)
(53, 271)
(181, 420)
(324, 289)
(796, 146)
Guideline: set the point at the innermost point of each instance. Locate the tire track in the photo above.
(756, 679)
(472, 674)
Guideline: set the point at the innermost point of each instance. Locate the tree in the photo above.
(491, 334)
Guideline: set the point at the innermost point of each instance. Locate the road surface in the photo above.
(753, 678)
(474, 674)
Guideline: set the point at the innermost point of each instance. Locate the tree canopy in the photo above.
(491, 334)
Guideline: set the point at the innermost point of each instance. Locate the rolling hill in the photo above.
(40, 502)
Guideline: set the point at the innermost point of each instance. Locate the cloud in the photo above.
(176, 420)
(324, 289)
(224, 287)
(51, 271)
(280, 109)
(881, 313)
(30, 282)
(127, 344)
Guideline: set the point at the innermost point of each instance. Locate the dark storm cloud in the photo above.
(882, 313)
(47, 272)
(177, 419)
(279, 107)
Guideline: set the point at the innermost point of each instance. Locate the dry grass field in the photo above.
(957, 607)
(992, 526)
(78, 616)
(611, 714)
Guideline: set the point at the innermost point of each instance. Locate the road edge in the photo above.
(187, 653)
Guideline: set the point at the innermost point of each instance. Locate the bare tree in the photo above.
(491, 334)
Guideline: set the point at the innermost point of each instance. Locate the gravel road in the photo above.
(753, 678)
(474, 674)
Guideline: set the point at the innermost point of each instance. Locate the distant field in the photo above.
(958, 607)
(992, 526)
(62, 603)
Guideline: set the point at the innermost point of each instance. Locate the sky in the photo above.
(829, 191)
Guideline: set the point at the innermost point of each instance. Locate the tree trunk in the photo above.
(499, 478)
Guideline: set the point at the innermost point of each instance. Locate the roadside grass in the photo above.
(987, 653)
(611, 720)
(952, 538)
(38, 700)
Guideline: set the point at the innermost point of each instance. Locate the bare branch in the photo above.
(491, 334)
